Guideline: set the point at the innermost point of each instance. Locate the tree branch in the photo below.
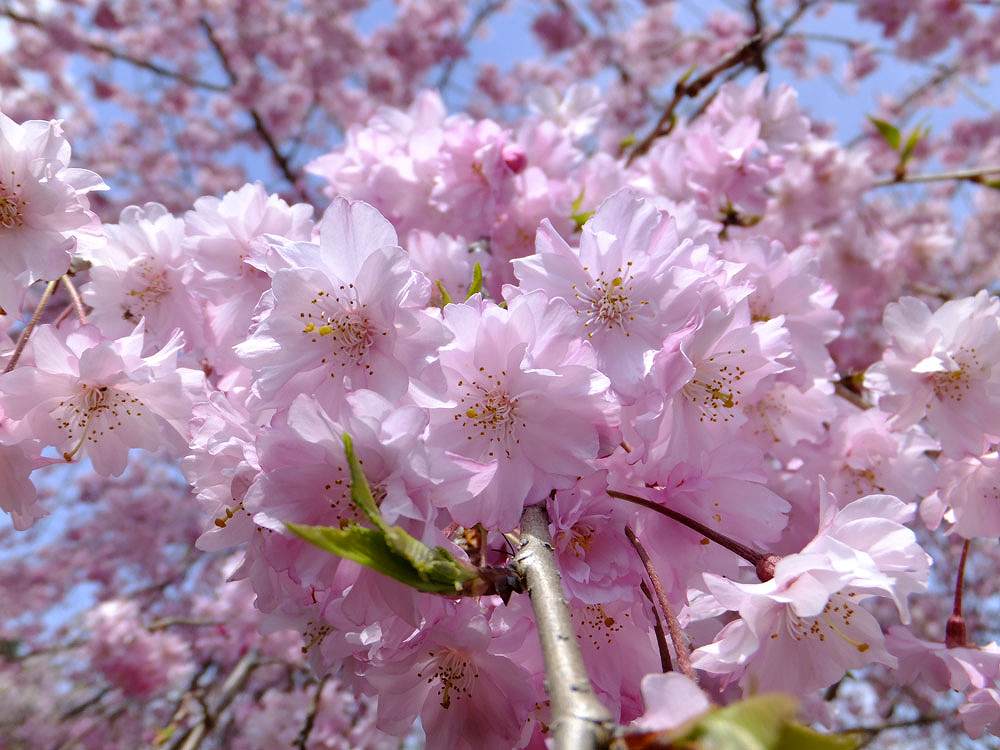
(258, 122)
(75, 299)
(760, 560)
(114, 54)
(977, 175)
(302, 740)
(579, 720)
(230, 688)
(681, 649)
(751, 52)
(22, 340)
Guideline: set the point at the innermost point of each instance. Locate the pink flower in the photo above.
(136, 661)
(940, 667)
(225, 238)
(587, 527)
(18, 495)
(945, 365)
(622, 283)
(705, 378)
(981, 713)
(671, 700)
(524, 405)
(450, 674)
(803, 628)
(100, 398)
(43, 206)
(347, 313)
(972, 488)
(145, 273)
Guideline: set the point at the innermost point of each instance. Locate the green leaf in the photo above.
(361, 493)
(764, 722)
(445, 297)
(369, 548)
(752, 724)
(389, 550)
(911, 143)
(994, 184)
(477, 281)
(889, 132)
(799, 737)
(628, 142)
(577, 214)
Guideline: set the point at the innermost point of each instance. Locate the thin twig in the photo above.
(22, 340)
(481, 17)
(849, 395)
(977, 175)
(579, 720)
(956, 635)
(258, 122)
(235, 681)
(666, 663)
(751, 51)
(114, 54)
(74, 296)
(750, 555)
(302, 740)
(681, 649)
(169, 622)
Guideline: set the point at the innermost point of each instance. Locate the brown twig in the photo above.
(104, 49)
(681, 649)
(666, 663)
(22, 340)
(302, 740)
(481, 17)
(956, 635)
(750, 555)
(234, 682)
(284, 166)
(751, 51)
(579, 720)
(977, 175)
(74, 296)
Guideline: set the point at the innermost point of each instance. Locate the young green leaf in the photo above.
(387, 549)
(911, 143)
(445, 297)
(370, 548)
(361, 493)
(889, 132)
(477, 281)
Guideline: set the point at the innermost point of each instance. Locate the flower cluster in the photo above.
(499, 319)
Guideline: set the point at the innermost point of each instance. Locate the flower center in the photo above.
(835, 619)
(150, 288)
(608, 302)
(455, 673)
(596, 625)
(955, 384)
(715, 388)
(11, 207)
(487, 410)
(344, 324)
(93, 412)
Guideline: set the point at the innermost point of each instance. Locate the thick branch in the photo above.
(579, 720)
